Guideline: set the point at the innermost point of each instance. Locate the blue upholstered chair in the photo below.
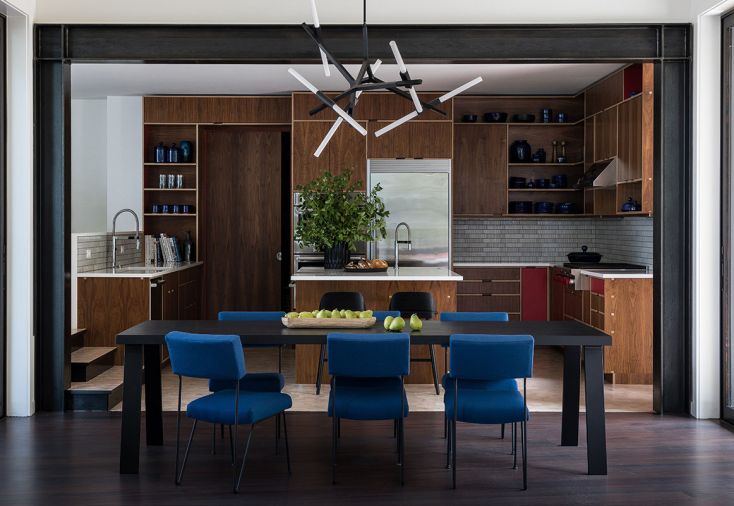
(221, 358)
(470, 316)
(492, 359)
(367, 382)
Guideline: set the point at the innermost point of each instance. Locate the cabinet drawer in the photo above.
(490, 273)
(188, 295)
(506, 303)
(597, 302)
(489, 287)
(188, 275)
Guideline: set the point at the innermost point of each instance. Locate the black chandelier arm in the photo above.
(315, 37)
(367, 86)
(360, 79)
(426, 105)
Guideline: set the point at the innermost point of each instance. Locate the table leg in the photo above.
(130, 433)
(571, 391)
(596, 441)
(153, 397)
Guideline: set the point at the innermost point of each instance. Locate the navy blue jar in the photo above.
(186, 151)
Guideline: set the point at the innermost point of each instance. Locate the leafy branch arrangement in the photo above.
(333, 211)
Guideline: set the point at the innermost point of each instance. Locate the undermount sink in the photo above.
(142, 268)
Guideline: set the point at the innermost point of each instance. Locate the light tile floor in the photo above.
(544, 389)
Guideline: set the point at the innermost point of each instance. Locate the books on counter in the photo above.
(163, 248)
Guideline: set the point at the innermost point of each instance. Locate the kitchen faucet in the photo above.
(397, 242)
(114, 236)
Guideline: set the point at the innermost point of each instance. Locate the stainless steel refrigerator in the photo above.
(417, 192)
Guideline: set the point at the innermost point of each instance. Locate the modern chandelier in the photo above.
(366, 81)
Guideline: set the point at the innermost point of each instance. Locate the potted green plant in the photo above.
(335, 216)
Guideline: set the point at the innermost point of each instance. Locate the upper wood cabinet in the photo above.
(479, 172)
(605, 93)
(427, 139)
(629, 148)
(373, 106)
(605, 134)
(346, 150)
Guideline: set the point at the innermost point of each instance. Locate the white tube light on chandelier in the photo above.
(339, 121)
(335, 107)
(403, 70)
(324, 60)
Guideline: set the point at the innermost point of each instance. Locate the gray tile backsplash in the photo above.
(550, 240)
(100, 249)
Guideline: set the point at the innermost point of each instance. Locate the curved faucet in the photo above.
(398, 242)
(114, 236)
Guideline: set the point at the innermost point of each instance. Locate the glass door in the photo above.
(727, 224)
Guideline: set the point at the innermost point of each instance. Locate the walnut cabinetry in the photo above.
(428, 139)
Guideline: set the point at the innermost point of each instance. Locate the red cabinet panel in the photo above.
(535, 293)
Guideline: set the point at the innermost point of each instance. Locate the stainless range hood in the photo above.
(601, 174)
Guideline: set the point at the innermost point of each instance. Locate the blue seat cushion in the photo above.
(506, 384)
(368, 398)
(253, 406)
(485, 406)
(252, 382)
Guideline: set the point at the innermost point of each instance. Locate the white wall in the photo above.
(19, 329)
(124, 160)
(350, 11)
(88, 165)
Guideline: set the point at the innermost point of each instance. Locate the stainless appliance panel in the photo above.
(417, 192)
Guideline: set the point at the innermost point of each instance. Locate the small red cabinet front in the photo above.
(534, 293)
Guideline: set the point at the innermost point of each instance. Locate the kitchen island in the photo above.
(377, 288)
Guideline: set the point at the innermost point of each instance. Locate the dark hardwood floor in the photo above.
(72, 459)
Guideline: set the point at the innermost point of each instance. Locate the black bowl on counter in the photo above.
(523, 118)
(520, 207)
(543, 207)
(518, 182)
(469, 118)
(566, 208)
(495, 117)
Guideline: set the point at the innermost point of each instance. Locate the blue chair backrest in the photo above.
(491, 357)
(206, 356)
(369, 356)
(381, 315)
(252, 316)
(478, 316)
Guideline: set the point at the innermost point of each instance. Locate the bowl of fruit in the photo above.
(325, 319)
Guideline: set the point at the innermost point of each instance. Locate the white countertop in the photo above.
(504, 264)
(403, 274)
(141, 272)
(612, 274)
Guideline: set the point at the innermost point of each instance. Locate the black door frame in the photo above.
(727, 26)
(3, 216)
(666, 45)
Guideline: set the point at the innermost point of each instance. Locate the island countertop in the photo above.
(403, 274)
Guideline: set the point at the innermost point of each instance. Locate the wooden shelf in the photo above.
(169, 189)
(633, 213)
(630, 181)
(175, 164)
(171, 215)
(540, 124)
(531, 164)
(545, 215)
(545, 189)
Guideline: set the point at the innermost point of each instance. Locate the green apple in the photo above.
(397, 324)
(387, 322)
(336, 314)
(415, 322)
(305, 314)
(292, 314)
(365, 314)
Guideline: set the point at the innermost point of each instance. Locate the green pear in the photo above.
(315, 312)
(292, 314)
(343, 313)
(397, 324)
(336, 314)
(387, 322)
(350, 314)
(415, 322)
(365, 314)
(306, 314)
(323, 314)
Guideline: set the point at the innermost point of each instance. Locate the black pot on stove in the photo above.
(584, 256)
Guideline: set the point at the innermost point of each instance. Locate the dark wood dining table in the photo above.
(143, 358)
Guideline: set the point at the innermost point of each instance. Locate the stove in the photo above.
(604, 266)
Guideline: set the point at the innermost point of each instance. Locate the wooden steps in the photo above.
(98, 394)
(91, 361)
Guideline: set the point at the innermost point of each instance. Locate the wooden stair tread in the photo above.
(78, 331)
(108, 381)
(89, 354)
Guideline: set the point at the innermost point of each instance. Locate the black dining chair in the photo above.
(422, 304)
(336, 300)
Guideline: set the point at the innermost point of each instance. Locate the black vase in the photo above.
(336, 257)
(520, 151)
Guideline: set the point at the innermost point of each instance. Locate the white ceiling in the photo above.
(102, 80)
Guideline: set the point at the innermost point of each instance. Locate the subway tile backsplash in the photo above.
(550, 240)
(100, 249)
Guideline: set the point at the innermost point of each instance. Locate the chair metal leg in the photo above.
(231, 443)
(320, 370)
(433, 368)
(397, 438)
(287, 450)
(214, 439)
(186, 454)
(502, 434)
(244, 459)
(514, 445)
(453, 432)
(524, 455)
(178, 430)
(445, 426)
(448, 442)
(402, 451)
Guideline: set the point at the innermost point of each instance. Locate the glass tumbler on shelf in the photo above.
(162, 181)
(179, 181)
(171, 181)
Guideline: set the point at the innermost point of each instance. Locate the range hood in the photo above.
(600, 175)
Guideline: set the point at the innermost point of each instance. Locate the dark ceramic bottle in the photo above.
(188, 248)
(520, 151)
(186, 152)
